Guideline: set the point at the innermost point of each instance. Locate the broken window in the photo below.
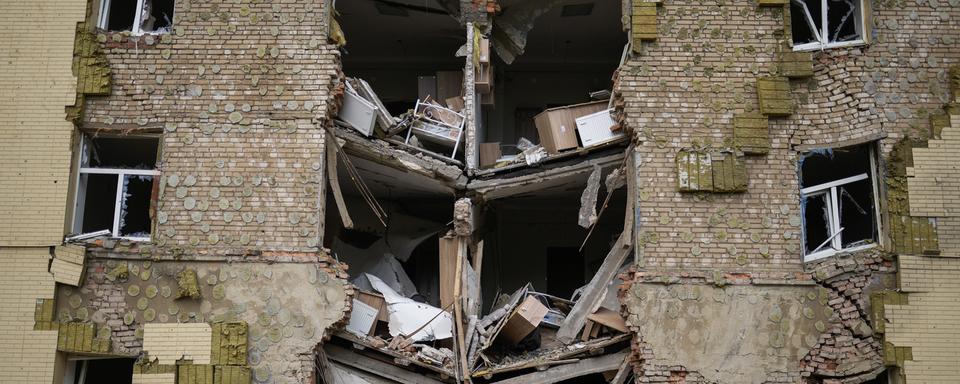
(115, 186)
(818, 24)
(86, 369)
(838, 200)
(137, 16)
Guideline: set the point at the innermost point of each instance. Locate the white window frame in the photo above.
(104, 19)
(823, 35)
(834, 242)
(118, 200)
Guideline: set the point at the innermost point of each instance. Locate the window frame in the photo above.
(823, 34)
(834, 242)
(78, 210)
(104, 19)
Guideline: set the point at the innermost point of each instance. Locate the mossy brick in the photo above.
(187, 284)
(194, 374)
(694, 172)
(229, 343)
(231, 374)
(796, 64)
(751, 133)
(729, 172)
(774, 96)
(643, 23)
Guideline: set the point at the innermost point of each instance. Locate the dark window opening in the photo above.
(115, 371)
(116, 173)
(100, 202)
(843, 18)
(121, 152)
(158, 15)
(837, 200)
(121, 15)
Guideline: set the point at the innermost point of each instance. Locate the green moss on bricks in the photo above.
(751, 133)
(187, 285)
(774, 96)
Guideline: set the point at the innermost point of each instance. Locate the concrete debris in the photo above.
(588, 200)
(463, 218)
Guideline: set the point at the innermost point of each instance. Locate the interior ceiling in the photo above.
(431, 38)
(390, 183)
(416, 36)
(594, 38)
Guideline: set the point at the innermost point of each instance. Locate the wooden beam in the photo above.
(550, 178)
(374, 366)
(335, 183)
(566, 372)
(622, 374)
(593, 292)
(464, 372)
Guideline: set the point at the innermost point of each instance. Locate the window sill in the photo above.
(810, 47)
(830, 252)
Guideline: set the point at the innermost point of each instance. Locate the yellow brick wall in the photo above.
(26, 356)
(934, 179)
(171, 342)
(930, 322)
(36, 81)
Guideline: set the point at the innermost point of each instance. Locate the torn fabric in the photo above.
(407, 316)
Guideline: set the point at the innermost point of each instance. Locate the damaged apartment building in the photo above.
(483, 191)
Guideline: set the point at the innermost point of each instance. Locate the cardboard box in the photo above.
(524, 319)
(426, 86)
(449, 85)
(489, 153)
(557, 126)
(597, 128)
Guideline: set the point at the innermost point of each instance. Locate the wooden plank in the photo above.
(608, 318)
(570, 371)
(374, 366)
(363, 344)
(622, 374)
(448, 270)
(593, 291)
(562, 353)
(335, 183)
(461, 256)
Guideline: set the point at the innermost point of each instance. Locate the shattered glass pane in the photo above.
(842, 20)
(135, 206)
(857, 213)
(803, 31)
(820, 166)
(816, 222)
(157, 16)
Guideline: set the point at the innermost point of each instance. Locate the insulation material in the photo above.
(82, 338)
(194, 374)
(775, 97)
(171, 342)
(751, 133)
(231, 374)
(229, 344)
(416, 321)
